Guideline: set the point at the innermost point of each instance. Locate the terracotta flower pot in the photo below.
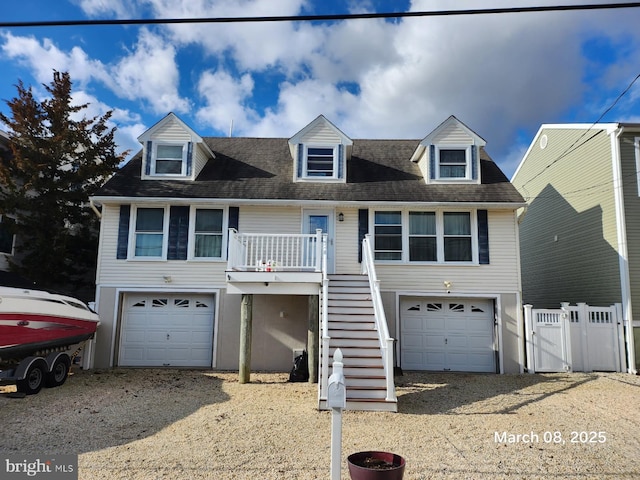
(375, 466)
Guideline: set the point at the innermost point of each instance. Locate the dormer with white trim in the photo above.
(320, 152)
(450, 154)
(171, 150)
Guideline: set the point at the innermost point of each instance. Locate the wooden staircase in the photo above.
(352, 328)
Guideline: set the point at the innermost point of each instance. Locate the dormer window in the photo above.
(169, 159)
(320, 161)
(453, 163)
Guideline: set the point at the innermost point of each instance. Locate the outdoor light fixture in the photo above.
(166, 278)
(341, 217)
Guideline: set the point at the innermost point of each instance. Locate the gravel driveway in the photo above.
(188, 424)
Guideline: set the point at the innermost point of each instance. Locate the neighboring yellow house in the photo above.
(580, 231)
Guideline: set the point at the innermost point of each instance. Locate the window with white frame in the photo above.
(425, 236)
(388, 235)
(169, 159)
(149, 232)
(320, 161)
(207, 236)
(453, 163)
(423, 239)
(457, 237)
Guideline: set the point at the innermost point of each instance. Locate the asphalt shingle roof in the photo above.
(262, 168)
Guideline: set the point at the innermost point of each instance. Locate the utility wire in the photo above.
(318, 18)
(575, 145)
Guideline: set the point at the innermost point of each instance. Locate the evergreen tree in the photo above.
(58, 159)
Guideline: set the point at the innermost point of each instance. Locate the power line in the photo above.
(319, 18)
(575, 145)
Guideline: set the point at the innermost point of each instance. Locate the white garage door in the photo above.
(162, 329)
(445, 334)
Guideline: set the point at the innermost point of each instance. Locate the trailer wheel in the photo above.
(58, 374)
(34, 379)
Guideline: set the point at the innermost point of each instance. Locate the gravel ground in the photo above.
(188, 424)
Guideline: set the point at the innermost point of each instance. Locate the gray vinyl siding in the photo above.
(632, 215)
(568, 239)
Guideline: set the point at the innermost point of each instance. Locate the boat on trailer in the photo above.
(38, 330)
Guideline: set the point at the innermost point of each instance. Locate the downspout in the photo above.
(623, 252)
(95, 210)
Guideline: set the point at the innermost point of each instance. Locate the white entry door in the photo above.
(167, 330)
(447, 334)
(322, 220)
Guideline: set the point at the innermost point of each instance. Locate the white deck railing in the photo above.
(386, 342)
(275, 252)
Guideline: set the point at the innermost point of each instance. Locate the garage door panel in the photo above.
(434, 341)
(167, 330)
(414, 324)
(457, 341)
(434, 323)
(413, 360)
(479, 341)
(456, 334)
(434, 360)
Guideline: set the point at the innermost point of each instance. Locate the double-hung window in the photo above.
(320, 161)
(457, 237)
(149, 232)
(423, 239)
(388, 235)
(208, 233)
(169, 159)
(453, 163)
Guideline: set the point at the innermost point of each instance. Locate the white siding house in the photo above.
(301, 228)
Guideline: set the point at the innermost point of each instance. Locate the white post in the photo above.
(566, 337)
(337, 401)
(529, 332)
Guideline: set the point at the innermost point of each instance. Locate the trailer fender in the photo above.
(23, 367)
(52, 357)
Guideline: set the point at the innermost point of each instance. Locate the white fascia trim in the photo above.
(304, 203)
(623, 252)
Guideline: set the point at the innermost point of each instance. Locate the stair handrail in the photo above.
(324, 320)
(386, 342)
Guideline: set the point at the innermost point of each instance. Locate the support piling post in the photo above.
(246, 317)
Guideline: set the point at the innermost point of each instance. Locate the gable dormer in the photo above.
(450, 154)
(320, 152)
(172, 150)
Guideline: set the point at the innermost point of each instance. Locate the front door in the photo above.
(321, 220)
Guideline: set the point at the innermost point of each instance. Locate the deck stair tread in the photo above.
(352, 328)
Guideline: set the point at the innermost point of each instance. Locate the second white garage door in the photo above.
(444, 334)
(170, 330)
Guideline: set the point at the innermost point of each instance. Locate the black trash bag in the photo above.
(300, 370)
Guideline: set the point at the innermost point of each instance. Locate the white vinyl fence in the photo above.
(577, 338)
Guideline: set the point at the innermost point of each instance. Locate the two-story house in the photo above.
(580, 232)
(234, 253)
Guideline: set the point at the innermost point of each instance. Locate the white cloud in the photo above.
(150, 72)
(225, 101)
(94, 8)
(43, 57)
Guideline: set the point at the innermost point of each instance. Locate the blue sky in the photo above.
(503, 75)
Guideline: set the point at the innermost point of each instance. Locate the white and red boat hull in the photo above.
(33, 321)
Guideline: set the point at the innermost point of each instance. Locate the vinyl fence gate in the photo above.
(575, 338)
